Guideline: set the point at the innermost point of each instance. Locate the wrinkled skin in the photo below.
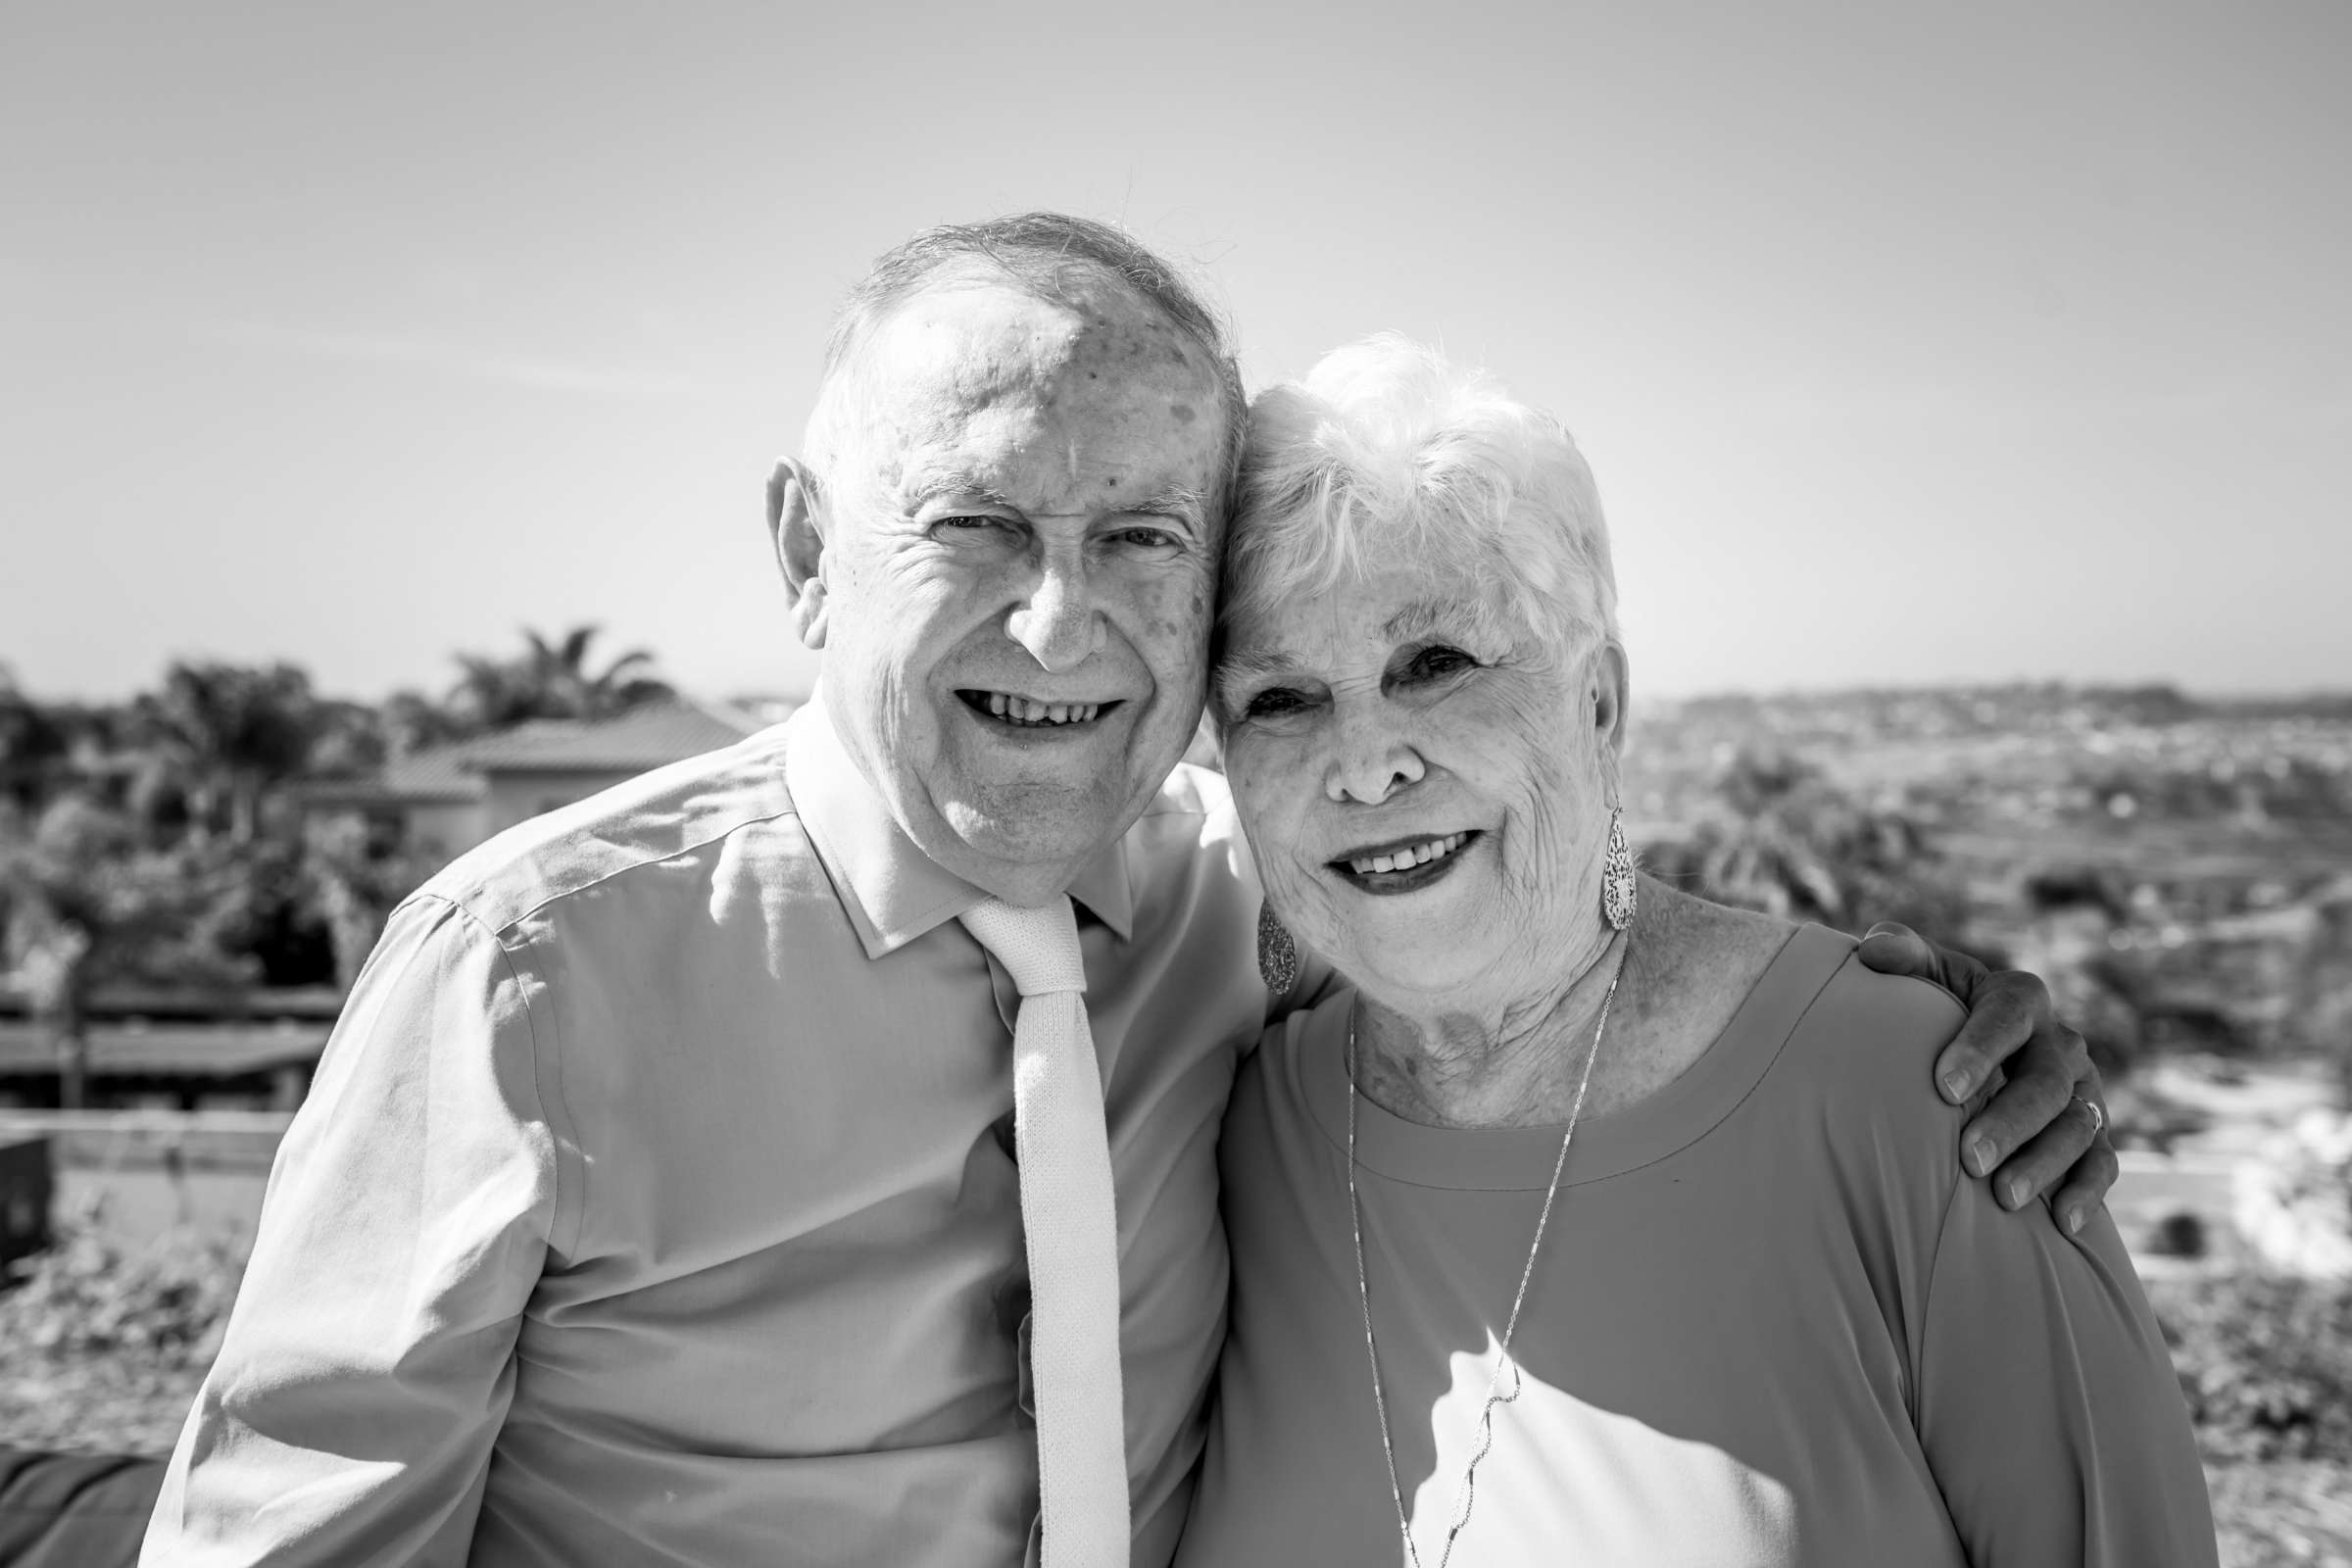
(1386, 716)
(1031, 506)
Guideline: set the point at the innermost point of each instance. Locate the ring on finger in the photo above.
(2098, 1116)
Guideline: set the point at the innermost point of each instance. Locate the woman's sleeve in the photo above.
(2047, 1402)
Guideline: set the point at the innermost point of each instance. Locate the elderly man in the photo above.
(662, 1197)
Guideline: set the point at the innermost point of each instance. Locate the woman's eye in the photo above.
(1272, 703)
(1436, 663)
(969, 520)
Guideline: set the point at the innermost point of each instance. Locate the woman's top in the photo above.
(1771, 1322)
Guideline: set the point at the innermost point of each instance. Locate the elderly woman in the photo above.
(1591, 1222)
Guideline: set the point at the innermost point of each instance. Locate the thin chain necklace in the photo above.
(1466, 1496)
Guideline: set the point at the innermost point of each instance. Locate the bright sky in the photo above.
(1909, 343)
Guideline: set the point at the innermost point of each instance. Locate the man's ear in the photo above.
(798, 534)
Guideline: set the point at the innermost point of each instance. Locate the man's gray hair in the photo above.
(1046, 253)
(1388, 453)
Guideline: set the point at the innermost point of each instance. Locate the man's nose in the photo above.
(1372, 762)
(1056, 621)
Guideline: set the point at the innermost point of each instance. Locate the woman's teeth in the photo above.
(1406, 860)
(1021, 711)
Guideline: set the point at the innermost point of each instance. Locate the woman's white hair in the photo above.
(1388, 453)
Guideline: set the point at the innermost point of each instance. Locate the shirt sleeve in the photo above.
(368, 1361)
(2047, 1404)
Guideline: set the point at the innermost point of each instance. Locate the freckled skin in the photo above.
(1362, 740)
(1055, 591)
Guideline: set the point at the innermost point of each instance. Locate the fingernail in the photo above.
(1955, 1083)
(1979, 1153)
(2017, 1193)
(2073, 1222)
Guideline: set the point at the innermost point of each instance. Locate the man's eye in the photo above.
(1146, 538)
(969, 520)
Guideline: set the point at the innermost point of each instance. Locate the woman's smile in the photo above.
(1403, 865)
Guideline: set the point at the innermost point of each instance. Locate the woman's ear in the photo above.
(798, 533)
(1611, 676)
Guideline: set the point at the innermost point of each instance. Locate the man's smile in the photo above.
(1013, 710)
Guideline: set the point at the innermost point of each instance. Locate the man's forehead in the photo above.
(990, 389)
(980, 336)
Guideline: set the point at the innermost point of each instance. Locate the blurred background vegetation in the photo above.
(216, 857)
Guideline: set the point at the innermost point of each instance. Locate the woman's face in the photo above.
(1427, 797)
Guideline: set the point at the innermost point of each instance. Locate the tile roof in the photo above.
(644, 737)
(648, 736)
(429, 774)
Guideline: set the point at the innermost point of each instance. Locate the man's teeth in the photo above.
(1021, 711)
(1404, 860)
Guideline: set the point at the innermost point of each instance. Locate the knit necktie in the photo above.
(1067, 1211)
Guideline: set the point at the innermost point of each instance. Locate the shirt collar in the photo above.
(892, 891)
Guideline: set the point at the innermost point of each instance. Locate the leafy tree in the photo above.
(349, 740)
(89, 899)
(411, 720)
(353, 883)
(34, 743)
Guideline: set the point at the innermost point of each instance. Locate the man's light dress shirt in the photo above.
(655, 1202)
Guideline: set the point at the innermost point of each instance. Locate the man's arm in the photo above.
(2034, 1131)
(369, 1363)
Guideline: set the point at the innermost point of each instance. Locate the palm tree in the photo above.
(551, 680)
(230, 732)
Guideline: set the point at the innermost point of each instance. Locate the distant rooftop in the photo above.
(648, 736)
(432, 773)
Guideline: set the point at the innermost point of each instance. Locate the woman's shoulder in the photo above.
(1279, 1068)
(1868, 1042)
(1829, 1024)
(1850, 1111)
(1884, 1014)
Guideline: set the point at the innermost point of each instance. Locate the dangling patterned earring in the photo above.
(1277, 953)
(1616, 875)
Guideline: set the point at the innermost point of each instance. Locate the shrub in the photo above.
(2264, 1362)
(159, 1306)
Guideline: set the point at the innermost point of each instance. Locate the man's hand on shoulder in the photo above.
(2034, 1132)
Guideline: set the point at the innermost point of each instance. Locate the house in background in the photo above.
(444, 800)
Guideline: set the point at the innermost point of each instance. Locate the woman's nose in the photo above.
(1373, 762)
(1056, 621)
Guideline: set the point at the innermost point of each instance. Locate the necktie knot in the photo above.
(1038, 948)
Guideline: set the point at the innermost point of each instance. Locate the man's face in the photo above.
(1020, 555)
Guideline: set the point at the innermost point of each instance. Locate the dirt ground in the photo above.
(2268, 1516)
